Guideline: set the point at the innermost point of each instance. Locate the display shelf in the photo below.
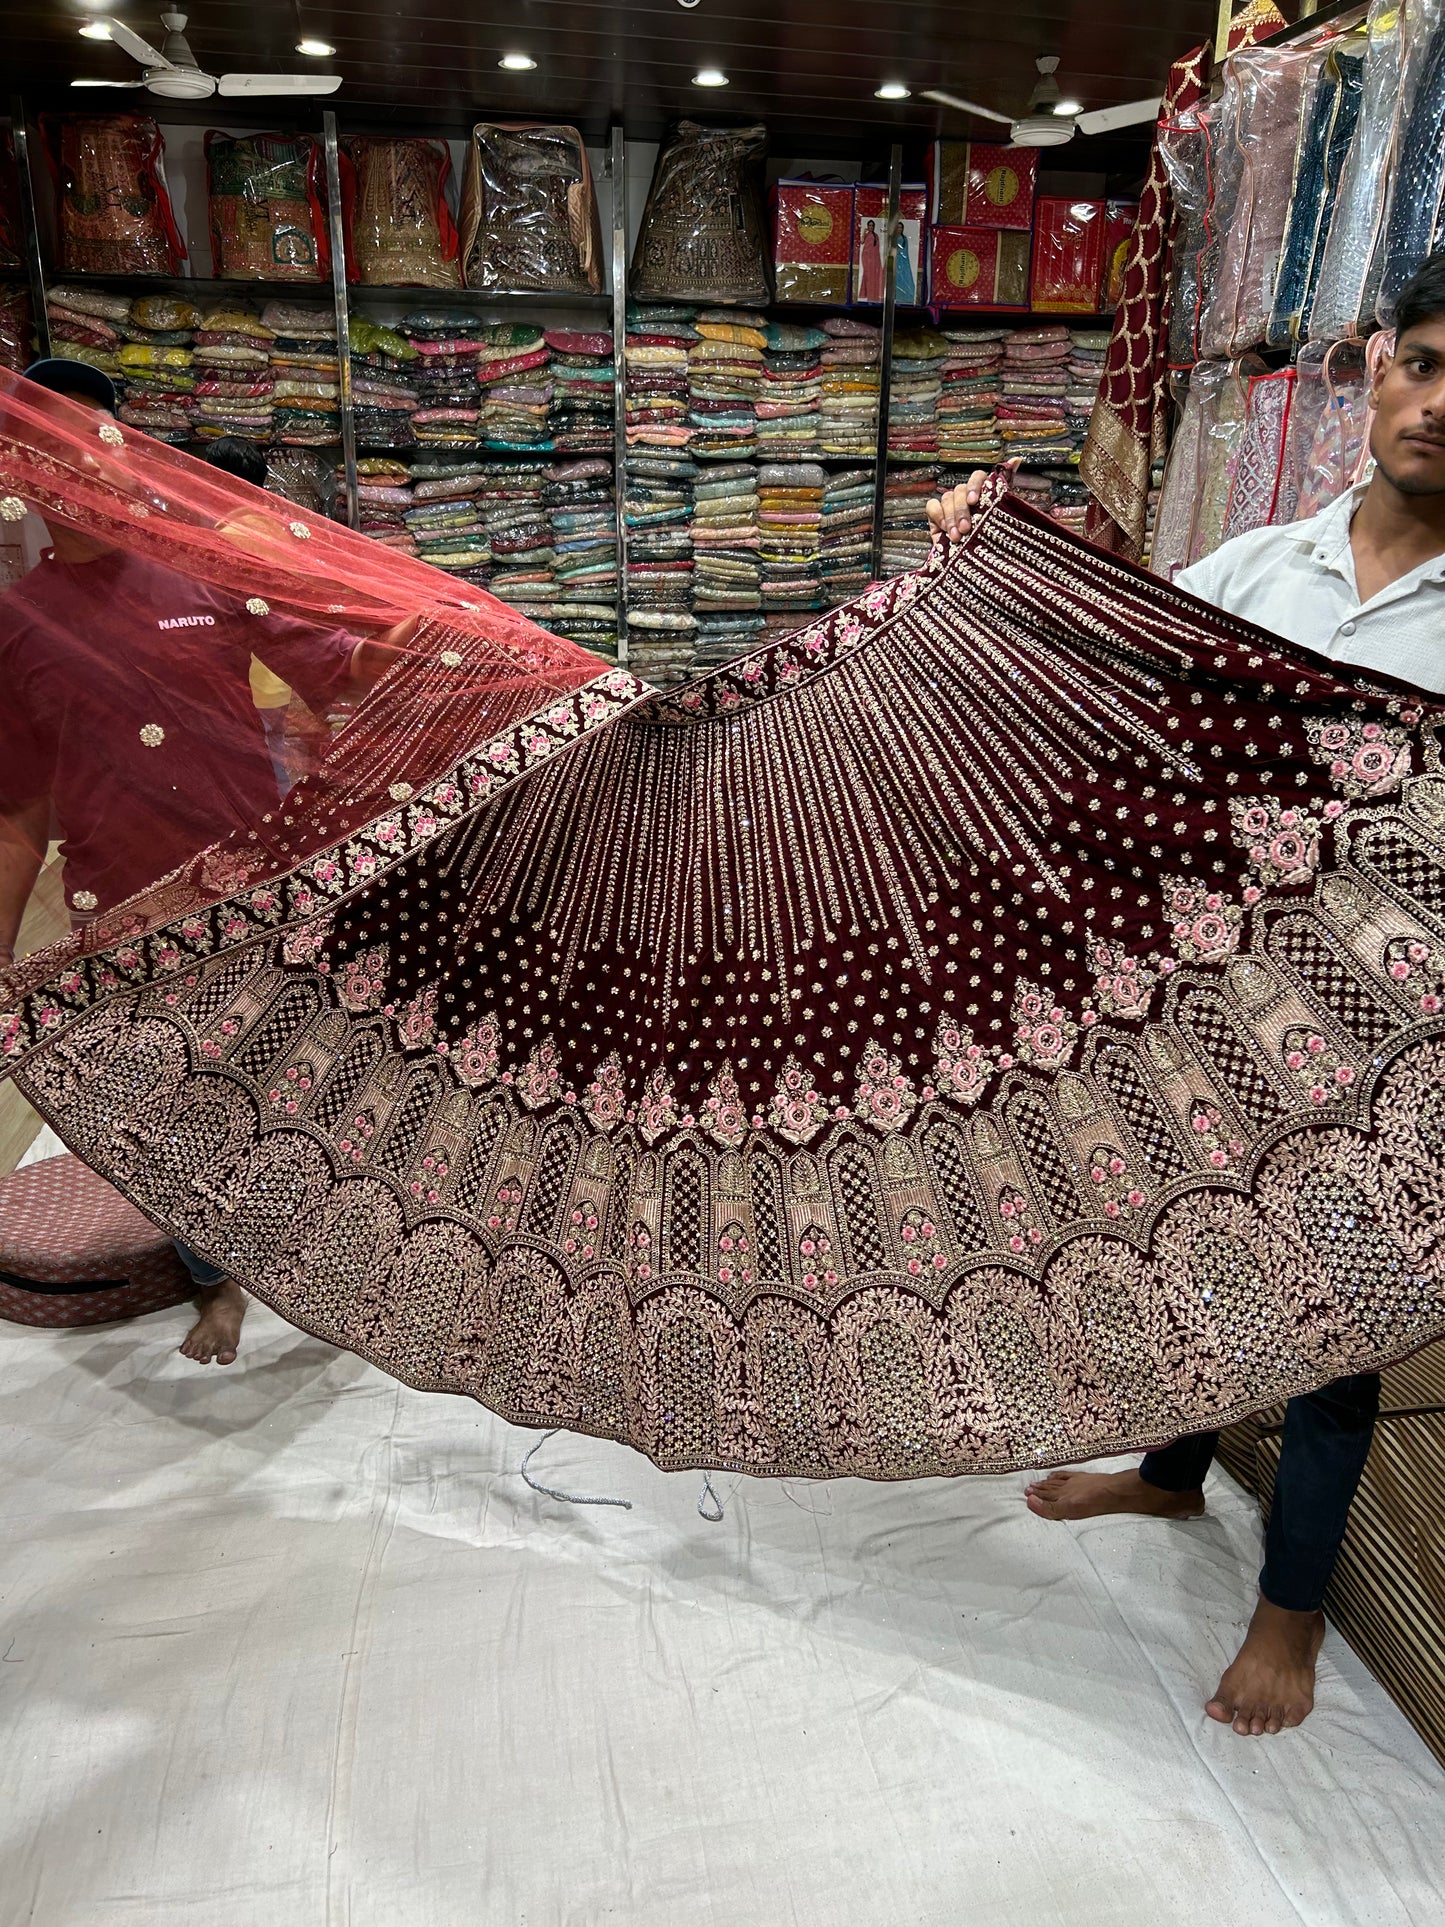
(194, 287)
(472, 298)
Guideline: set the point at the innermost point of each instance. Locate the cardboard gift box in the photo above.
(1068, 266)
(870, 245)
(976, 184)
(971, 267)
(812, 240)
(1119, 219)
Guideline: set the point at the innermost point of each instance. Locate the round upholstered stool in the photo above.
(74, 1252)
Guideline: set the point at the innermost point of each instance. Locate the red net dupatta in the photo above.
(997, 1025)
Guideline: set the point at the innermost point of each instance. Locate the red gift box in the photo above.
(976, 184)
(1068, 255)
(870, 245)
(1119, 219)
(812, 240)
(977, 267)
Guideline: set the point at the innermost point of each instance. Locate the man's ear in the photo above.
(1380, 363)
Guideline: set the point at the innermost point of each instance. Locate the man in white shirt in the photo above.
(1362, 582)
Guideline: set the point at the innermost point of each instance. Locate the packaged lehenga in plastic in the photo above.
(1184, 144)
(1259, 484)
(401, 232)
(267, 213)
(1329, 423)
(703, 235)
(1415, 226)
(1199, 474)
(1326, 131)
(114, 211)
(529, 211)
(1265, 91)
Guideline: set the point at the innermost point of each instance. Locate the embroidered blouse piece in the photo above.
(1001, 1023)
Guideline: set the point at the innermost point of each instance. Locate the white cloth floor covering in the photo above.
(288, 1643)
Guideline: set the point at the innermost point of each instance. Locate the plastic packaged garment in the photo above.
(12, 246)
(17, 328)
(1184, 145)
(1415, 226)
(703, 235)
(1194, 497)
(529, 213)
(266, 206)
(114, 211)
(1329, 423)
(1259, 487)
(401, 232)
(1350, 274)
(1326, 132)
(1266, 90)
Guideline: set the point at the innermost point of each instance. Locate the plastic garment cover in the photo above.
(263, 195)
(529, 213)
(17, 328)
(703, 235)
(401, 232)
(1199, 472)
(1416, 224)
(1328, 429)
(1259, 488)
(1184, 145)
(12, 257)
(1350, 274)
(539, 1093)
(1325, 136)
(1265, 91)
(114, 211)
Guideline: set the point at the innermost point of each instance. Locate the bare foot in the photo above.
(1271, 1684)
(1088, 1495)
(217, 1332)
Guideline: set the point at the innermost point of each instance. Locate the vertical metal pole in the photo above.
(1221, 30)
(885, 372)
(34, 268)
(343, 316)
(617, 163)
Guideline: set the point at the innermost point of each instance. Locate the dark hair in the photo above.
(1423, 296)
(238, 457)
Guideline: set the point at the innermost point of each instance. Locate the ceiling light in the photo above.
(1068, 108)
(710, 77)
(891, 90)
(318, 49)
(96, 83)
(517, 63)
(97, 30)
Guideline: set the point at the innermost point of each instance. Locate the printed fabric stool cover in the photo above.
(74, 1252)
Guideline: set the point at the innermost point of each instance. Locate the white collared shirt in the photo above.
(1299, 581)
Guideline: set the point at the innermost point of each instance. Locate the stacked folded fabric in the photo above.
(726, 540)
(1033, 409)
(444, 376)
(85, 325)
(235, 388)
(445, 519)
(662, 644)
(723, 635)
(792, 390)
(512, 367)
(383, 386)
(847, 534)
(790, 524)
(1088, 348)
(848, 407)
(579, 421)
(725, 380)
(972, 377)
(305, 373)
(1068, 501)
(657, 509)
(580, 504)
(906, 538)
(519, 530)
(384, 497)
(157, 367)
(915, 390)
(658, 340)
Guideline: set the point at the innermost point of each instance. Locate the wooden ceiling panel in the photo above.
(807, 67)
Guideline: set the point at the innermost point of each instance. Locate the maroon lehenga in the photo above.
(999, 1024)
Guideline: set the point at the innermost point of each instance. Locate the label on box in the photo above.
(812, 240)
(978, 267)
(1119, 219)
(1068, 255)
(870, 245)
(977, 184)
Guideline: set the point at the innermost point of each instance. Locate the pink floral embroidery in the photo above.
(605, 1100)
(1220, 1151)
(1205, 924)
(1122, 985)
(1409, 960)
(364, 983)
(1316, 1064)
(1283, 844)
(723, 1116)
(656, 1108)
(961, 1068)
(417, 1021)
(797, 1110)
(540, 1079)
(303, 945)
(475, 1056)
(1044, 1035)
(884, 1097)
(226, 872)
(1363, 759)
(12, 1033)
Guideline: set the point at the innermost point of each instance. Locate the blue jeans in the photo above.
(203, 1273)
(1322, 1455)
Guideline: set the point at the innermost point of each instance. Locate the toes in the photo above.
(1221, 1710)
(227, 1357)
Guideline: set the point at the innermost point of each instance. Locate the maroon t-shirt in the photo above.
(125, 697)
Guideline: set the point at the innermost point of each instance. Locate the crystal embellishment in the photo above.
(111, 435)
(152, 735)
(300, 531)
(256, 606)
(12, 509)
(451, 659)
(400, 792)
(85, 900)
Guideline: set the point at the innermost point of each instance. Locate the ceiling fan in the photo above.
(1042, 124)
(175, 73)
